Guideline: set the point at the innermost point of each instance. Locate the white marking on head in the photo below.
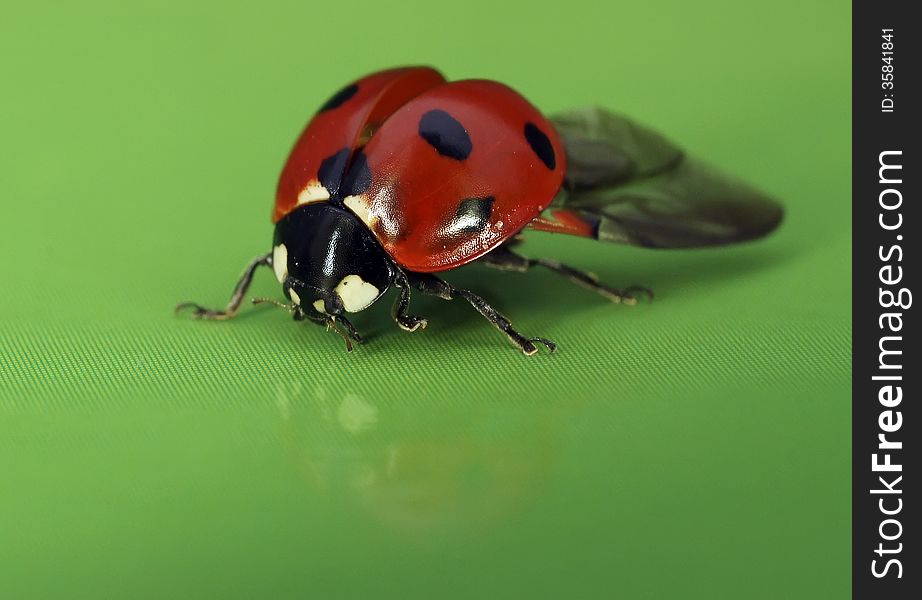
(314, 192)
(359, 206)
(356, 293)
(318, 306)
(280, 262)
(294, 296)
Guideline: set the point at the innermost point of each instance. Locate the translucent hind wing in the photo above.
(628, 184)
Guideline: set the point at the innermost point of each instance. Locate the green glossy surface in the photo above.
(695, 447)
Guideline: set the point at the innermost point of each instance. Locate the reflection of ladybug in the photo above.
(401, 175)
(437, 474)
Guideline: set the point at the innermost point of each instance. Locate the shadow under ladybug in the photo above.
(401, 175)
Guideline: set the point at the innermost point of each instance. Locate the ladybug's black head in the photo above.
(328, 261)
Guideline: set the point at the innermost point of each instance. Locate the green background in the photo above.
(697, 446)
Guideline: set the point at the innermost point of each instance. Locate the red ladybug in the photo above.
(402, 175)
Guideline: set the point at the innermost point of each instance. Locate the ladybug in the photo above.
(402, 175)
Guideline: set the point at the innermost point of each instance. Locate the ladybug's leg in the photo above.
(327, 321)
(431, 285)
(299, 314)
(405, 321)
(233, 305)
(349, 327)
(331, 323)
(507, 260)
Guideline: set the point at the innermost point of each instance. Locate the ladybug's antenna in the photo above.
(274, 302)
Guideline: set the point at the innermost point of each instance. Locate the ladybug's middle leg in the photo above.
(433, 286)
(505, 259)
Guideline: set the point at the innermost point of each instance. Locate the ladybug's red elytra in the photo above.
(401, 175)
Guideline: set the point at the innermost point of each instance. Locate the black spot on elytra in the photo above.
(473, 214)
(358, 179)
(339, 97)
(541, 144)
(445, 134)
(331, 170)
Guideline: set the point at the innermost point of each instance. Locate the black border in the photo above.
(875, 131)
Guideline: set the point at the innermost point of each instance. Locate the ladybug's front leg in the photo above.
(404, 320)
(331, 323)
(431, 285)
(233, 305)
